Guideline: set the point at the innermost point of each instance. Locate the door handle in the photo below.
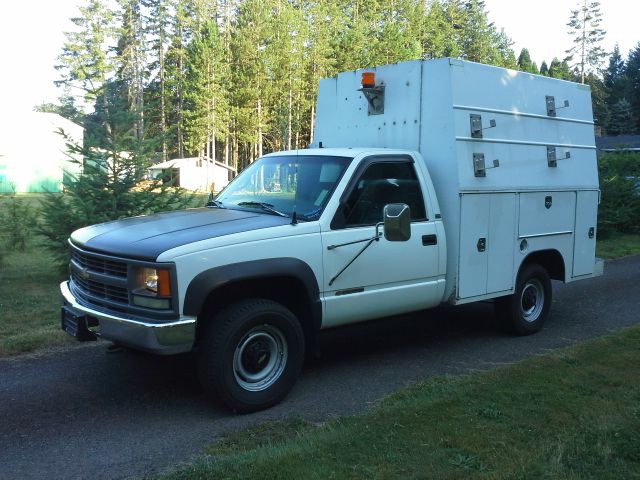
(429, 240)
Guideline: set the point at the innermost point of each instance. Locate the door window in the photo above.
(380, 184)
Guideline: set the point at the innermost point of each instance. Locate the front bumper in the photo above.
(165, 338)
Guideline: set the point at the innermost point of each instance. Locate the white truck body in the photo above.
(427, 108)
(436, 181)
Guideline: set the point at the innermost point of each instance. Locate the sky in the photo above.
(28, 48)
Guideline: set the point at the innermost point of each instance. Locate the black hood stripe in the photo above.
(146, 237)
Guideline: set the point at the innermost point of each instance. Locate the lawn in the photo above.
(571, 414)
(618, 245)
(29, 302)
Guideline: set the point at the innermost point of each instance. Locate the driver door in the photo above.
(387, 277)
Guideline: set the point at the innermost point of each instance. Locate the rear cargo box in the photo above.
(512, 157)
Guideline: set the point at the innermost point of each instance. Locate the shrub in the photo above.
(18, 220)
(620, 186)
(110, 187)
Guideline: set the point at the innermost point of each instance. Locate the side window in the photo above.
(380, 184)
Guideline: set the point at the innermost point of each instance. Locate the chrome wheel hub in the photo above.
(260, 358)
(532, 300)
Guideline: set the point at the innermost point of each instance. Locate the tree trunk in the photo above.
(259, 152)
(311, 130)
(289, 119)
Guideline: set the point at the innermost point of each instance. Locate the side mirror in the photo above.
(397, 222)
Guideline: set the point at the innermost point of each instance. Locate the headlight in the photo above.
(157, 281)
(153, 289)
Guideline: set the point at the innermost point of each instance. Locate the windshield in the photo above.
(280, 185)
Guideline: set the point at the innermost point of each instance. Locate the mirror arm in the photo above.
(369, 242)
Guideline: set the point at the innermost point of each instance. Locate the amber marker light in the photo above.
(164, 287)
(368, 79)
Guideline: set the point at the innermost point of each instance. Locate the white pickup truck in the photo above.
(430, 182)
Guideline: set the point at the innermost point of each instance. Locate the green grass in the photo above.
(572, 414)
(618, 245)
(30, 302)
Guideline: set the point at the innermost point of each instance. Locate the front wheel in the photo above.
(251, 354)
(524, 312)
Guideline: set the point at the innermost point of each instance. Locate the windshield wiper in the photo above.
(214, 203)
(265, 206)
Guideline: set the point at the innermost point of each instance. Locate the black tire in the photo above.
(251, 354)
(524, 312)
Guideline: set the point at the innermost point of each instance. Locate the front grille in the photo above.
(99, 264)
(99, 280)
(101, 290)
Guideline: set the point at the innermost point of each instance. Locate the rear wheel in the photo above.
(524, 312)
(251, 354)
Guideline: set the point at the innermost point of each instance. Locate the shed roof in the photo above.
(618, 142)
(186, 162)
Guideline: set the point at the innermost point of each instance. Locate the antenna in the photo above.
(294, 215)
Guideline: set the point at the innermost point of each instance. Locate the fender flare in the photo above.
(209, 280)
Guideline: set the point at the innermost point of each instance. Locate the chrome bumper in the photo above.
(162, 338)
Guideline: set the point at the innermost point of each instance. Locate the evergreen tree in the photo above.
(558, 69)
(66, 108)
(524, 62)
(586, 54)
(85, 62)
(544, 69)
(614, 74)
(157, 23)
(505, 50)
(131, 60)
(598, 100)
(440, 31)
(175, 83)
(251, 33)
(621, 121)
(205, 99)
(320, 62)
(632, 74)
(477, 33)
(111, 185)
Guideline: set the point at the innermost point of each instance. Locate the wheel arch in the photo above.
(552, 261)
(288, 281)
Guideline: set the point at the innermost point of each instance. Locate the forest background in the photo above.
(231, 80)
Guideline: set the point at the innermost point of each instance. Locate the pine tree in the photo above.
(320, 62)
(250, 76)
(439, 32)
(505, 50)
(586, 54)
(65, 108)
(544, 69)
(558, 69)
(175, 83)
(598, 100)
(131, 61)
(85, 62)
(621, 121)
(524, 62)
(157, 23)
(477, 33)
(205, 96)
(632, 74)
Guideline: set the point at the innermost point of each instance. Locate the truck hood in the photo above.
(146, 237)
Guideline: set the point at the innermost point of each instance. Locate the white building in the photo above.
(33, 152)
(195, 174)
